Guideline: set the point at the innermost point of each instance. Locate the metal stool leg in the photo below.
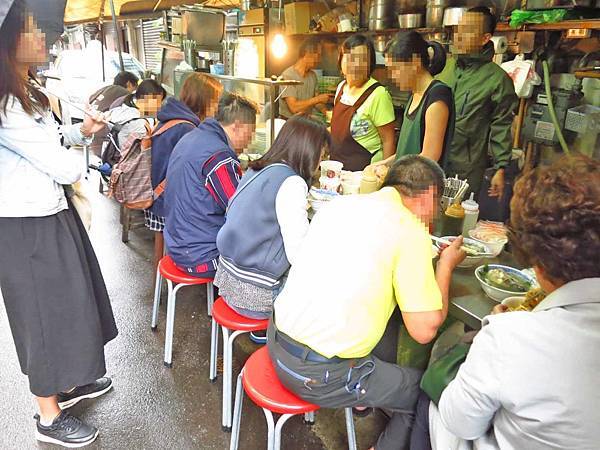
(237, 414)
(309, 418)
(171, 301)
(210, 298)
(228, 374)
(350, 429)
(280, 423)
(226, 418)
(270, 429)
(214, 351)
(125, 224)
(156, 304)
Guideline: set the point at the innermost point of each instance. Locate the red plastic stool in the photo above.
(259, 380)
(170, 272)
(229, 320)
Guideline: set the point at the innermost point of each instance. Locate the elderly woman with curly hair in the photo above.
(530, 380)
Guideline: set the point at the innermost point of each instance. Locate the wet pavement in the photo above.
(151, 406)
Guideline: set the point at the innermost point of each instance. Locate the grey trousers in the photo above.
(341, 383)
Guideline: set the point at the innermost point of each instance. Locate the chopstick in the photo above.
(469, 252)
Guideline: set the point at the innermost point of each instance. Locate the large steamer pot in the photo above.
(381, 14)
(434, 17)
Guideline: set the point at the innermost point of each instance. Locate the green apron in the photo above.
(409, 142)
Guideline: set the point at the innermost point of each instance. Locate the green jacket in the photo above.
(485, 100)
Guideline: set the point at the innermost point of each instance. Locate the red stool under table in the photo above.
(170, 272)
(230, 321)
(259, 380)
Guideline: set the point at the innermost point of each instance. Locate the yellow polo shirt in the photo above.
(363, 254)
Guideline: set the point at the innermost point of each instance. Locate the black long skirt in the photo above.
(56, 301)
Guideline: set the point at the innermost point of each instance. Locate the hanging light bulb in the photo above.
(279, 46)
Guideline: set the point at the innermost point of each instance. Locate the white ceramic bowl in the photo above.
(496, 293)
(495, 247)
(469, 261)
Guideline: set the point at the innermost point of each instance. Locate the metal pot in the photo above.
(379, 24)
(453, 15)
(434, 17)
(381, 14)
(203, 65)
(406, 21)
(380, 42)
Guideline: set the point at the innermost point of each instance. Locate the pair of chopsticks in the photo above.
(468, 251)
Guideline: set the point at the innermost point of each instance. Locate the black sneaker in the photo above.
(66, 431)
(92, 390)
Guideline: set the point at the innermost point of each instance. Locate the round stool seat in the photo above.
(264, 388)
(169, 270)
(228, 318)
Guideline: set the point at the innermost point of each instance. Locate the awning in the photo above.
(80, 11)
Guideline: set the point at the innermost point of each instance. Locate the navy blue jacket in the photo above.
(203, 174)
(163, 145)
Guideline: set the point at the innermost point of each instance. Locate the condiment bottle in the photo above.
(471, 208)
(453, 220)
(368, 182)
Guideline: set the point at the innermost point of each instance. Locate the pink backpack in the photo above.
(131, 179)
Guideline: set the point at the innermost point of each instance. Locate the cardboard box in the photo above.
(298, 16)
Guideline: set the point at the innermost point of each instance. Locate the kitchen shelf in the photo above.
(592, 24)
(375, 32)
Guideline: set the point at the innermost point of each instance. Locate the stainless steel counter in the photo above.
(468, 302)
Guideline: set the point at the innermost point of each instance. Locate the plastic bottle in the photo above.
(471, 208)
(453, 220)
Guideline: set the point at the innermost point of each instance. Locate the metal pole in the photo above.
(102, 40)
(273, 95)
(116, 26)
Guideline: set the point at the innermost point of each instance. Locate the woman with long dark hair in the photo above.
(55, 298)
(428, 123)
(267, 218)
(362, 124)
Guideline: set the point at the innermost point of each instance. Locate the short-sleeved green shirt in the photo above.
(376, 111)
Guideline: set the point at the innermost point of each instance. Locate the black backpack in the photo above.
(111, 149)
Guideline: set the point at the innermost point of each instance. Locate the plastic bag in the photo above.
(519, 17)
(523, 74)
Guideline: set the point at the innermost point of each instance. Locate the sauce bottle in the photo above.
(471, 208)
(452, 224)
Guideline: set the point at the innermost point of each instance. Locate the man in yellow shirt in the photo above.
(363, 256)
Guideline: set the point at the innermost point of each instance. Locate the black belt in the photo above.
(302, 351)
